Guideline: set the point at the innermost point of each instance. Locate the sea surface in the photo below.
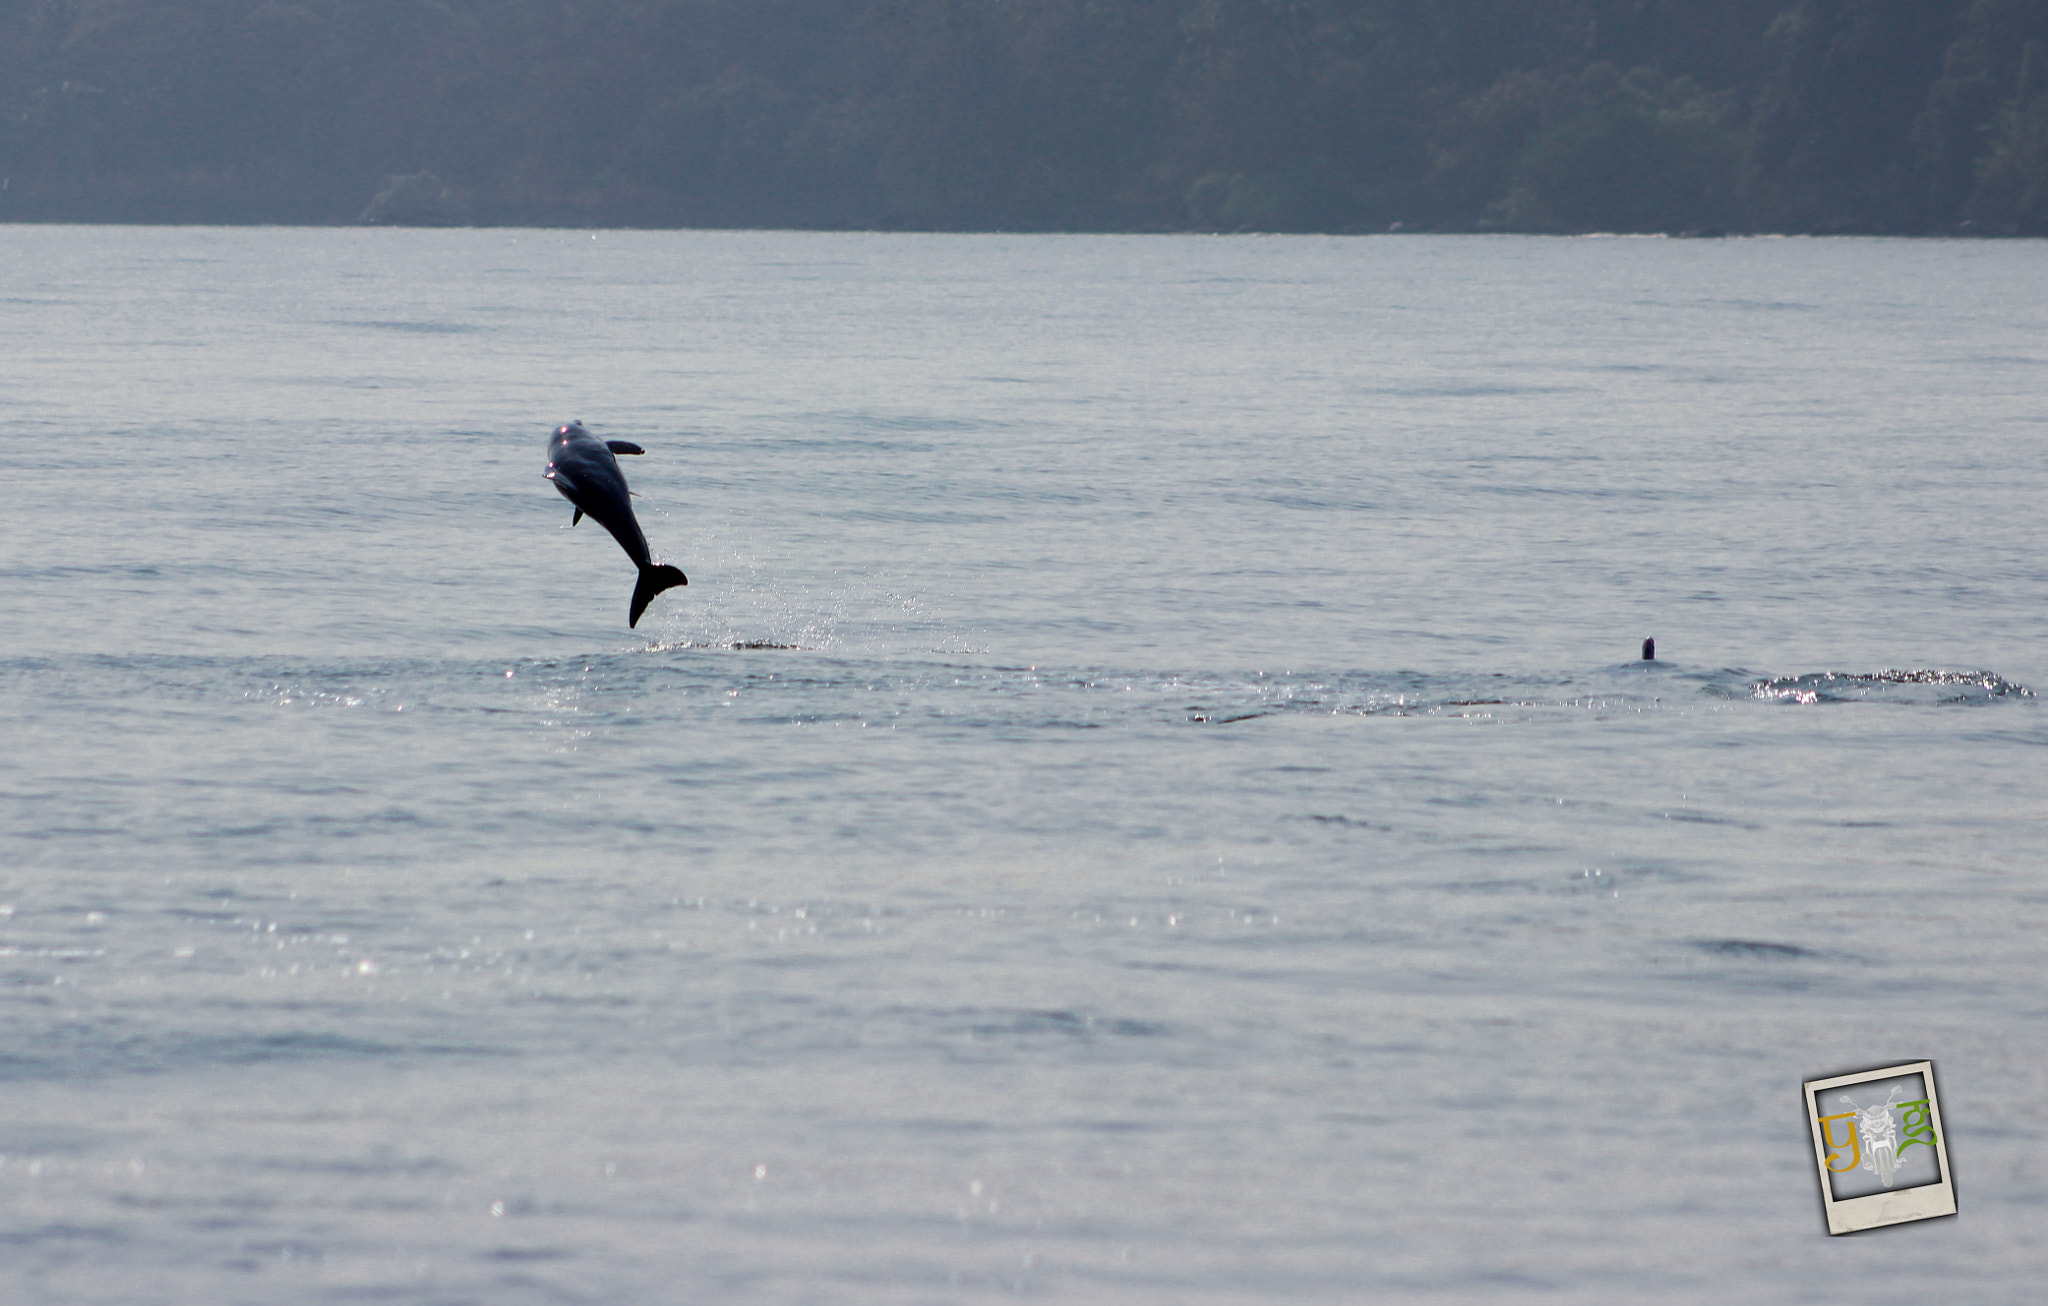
(1150, 794)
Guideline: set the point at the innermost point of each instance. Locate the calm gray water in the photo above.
(1149, 795)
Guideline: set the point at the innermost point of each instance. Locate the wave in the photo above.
(1919, 687)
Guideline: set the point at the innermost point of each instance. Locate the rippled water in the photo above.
(1149, 795)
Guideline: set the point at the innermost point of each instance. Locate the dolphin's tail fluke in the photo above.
(654, 578)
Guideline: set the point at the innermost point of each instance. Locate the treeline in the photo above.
(1906, 116)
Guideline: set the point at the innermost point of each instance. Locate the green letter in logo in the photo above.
(1918, 1124)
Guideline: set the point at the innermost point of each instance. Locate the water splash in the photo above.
(1918, 687)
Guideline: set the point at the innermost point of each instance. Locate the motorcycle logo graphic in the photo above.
(1872, 1136)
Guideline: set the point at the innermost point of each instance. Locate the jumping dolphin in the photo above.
(585, 470)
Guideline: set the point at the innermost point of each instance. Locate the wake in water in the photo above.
(1918, 687)
(804, 683)
(1632, 686)
(730, 646)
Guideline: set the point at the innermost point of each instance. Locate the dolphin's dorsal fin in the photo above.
(623, 446)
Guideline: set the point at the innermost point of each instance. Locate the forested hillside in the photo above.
(1901, 116)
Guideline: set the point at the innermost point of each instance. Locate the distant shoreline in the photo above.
(1325, 117)
(1401, 230)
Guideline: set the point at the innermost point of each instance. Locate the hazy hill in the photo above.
(1330, 115)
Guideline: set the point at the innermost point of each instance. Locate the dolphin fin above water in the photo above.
(653, 580)
(586, 472)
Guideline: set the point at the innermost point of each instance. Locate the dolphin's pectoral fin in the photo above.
(623, 446)
(576, 516)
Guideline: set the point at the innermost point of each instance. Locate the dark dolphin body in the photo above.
(585, 470)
